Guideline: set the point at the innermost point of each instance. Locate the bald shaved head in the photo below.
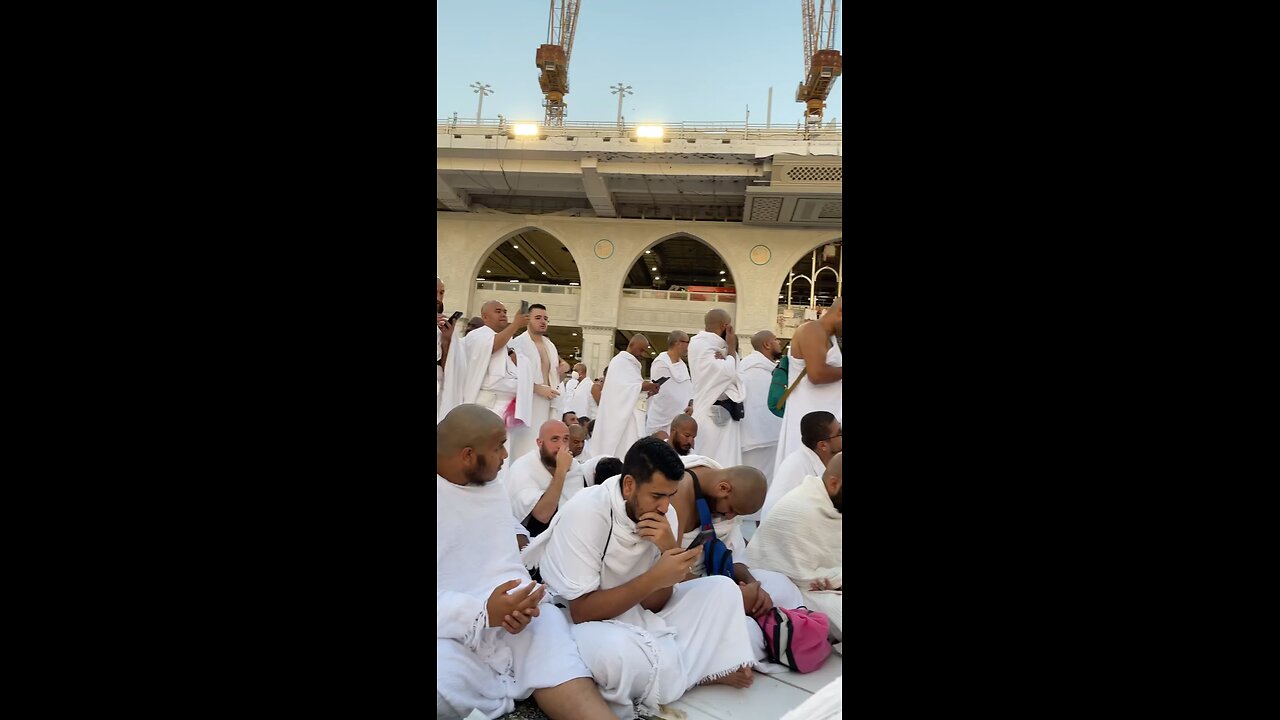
(577, 439)
(494, 314)
(470, 445)
(637, 346)
(716, 320)
(466, 426)
(760, 339)
(684, 432)
(552, 427)
(749, 488)
(833, 479)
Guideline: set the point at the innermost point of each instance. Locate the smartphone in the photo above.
(661, 380)
(454, 318)
(703, 535)
(524, 307)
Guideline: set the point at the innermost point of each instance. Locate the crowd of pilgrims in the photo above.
(576, 516)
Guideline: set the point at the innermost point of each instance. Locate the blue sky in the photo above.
(695, 60)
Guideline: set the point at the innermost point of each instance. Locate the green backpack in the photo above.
(778, 390)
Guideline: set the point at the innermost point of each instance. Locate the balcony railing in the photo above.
(680, 295)
(524, 287)
(726, 129)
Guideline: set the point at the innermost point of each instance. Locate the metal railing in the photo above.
(680, 295)
(726, 129)
(524, 287)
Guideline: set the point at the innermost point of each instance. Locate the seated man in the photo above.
(801, 539)
(612, 554)
(569, 418)
(684, 430)
(820, 441)
(494, 645)
(577, 443)
(730, 494)
(544, 478)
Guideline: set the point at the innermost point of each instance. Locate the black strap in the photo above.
(606, 542)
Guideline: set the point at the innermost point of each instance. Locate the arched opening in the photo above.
(532, 264)
(684, 268)
(815, 281)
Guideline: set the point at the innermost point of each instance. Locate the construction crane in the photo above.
(553, 59)
(821, 60)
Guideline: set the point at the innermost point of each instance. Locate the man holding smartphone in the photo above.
(678, 387)
(479, 370)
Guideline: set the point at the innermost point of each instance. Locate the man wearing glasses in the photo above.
(819, 442)
(677, 393)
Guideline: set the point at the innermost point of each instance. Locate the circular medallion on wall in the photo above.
(604, 249)
(760, 254)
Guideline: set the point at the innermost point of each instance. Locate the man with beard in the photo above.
(802, 539)
(684, 431)
(713, 360)
(612, 554)
(730, 494)
(760, 427)
(494, 642)
(820, 437)
(544, 479)
(577, 443)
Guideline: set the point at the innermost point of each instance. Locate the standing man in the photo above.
(480, 371)
(717, 389)
(815, 353)
(444, 336)
(582, 404)
(498, 638)
(677, 393)
(536, 353)
(617, 426)
(760, 427)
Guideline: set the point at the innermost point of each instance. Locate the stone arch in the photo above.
(792, 314)
(785, 267)
(480, 260)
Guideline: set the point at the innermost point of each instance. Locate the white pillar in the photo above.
(597, 348)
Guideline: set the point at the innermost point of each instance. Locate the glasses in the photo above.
(833, 437)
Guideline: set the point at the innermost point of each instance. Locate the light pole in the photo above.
(483, 90)
(621, 91)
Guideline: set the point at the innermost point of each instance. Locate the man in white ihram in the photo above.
(802, 539)
(731, 494)
(618, 425)
(815, 353)
(479, 371)
(713, 361)
(536, 353)
(760, 427)
(820, 438)
(677, 391)
(498, 638)
(612, 553)
(543, 479)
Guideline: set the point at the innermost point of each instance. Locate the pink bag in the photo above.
(796, 638)
(509, 415)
